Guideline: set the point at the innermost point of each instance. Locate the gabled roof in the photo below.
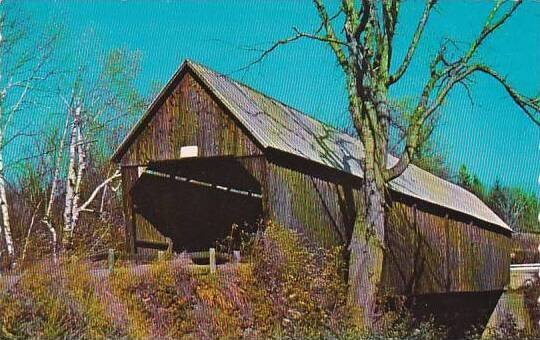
(277, 126)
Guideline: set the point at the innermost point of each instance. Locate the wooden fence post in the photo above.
(212, 255)
(236, 256)
(111, 260)
(169, 245)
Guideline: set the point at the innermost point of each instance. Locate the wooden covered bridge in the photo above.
(210, 152)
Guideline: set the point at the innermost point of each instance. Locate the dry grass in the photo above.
(284, 290)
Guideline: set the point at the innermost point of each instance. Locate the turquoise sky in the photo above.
(490, 136)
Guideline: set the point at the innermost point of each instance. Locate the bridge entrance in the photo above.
(195, 202)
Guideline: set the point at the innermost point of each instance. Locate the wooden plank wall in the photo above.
(129, 176)
(430, 253)
(189, 116)
(320, 209)
(525, 248)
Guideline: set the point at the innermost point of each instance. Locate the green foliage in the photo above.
(114, 101)
(427, 155)
(471, 182)
(518, 208)
(433, 162)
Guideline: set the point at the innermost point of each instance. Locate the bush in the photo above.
(54, 302)
(305, 285)
(156, 302)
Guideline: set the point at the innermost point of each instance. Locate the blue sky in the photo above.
(491, 136)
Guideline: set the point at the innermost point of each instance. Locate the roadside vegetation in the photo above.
(283, 289)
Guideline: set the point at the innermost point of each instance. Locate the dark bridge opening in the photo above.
(195, 201)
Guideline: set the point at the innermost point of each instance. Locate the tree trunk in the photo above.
(4, 208)
(47, 219)
(81, 168)
(366, 255)
(70, 186)
(366, 248)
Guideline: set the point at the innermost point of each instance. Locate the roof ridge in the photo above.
(278, 101)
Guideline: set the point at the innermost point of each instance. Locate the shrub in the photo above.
(305, 284)
(54, 302)
(80, 287)
(158, 301)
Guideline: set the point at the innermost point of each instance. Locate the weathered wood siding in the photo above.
(129, 176)
(137, 228)
(430, 252)
(525, 248)
(189, 116)
(320, 209)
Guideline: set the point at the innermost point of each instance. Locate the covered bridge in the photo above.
(210, 152)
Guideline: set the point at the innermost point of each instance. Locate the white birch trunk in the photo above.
(71, 183)
(6, 225)
(54, 188)
(81, 168)
(4, 208)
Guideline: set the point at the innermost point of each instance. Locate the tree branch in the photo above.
(414, 43)
(330, 34)
(530, 106)
(266, 52)
(318, 37)
(364, 19)
(297, 36)
(490, 27)
(84, 206)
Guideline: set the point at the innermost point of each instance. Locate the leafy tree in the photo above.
(513, 205)
(471, 182)
(516, 207)
(94, 111)
(464, 177)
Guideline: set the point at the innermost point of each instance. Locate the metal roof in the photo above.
(281, 127)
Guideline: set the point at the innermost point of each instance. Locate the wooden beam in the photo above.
(447, 254)
(151, 245)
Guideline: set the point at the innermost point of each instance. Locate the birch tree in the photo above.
(361, 37)
(93, 114)
(54, 190)
(23, 64)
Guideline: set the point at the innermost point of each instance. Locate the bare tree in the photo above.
(364, 49)
(23, 64)
(54, 190)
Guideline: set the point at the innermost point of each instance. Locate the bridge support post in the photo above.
(212, 255)
(111, 260)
